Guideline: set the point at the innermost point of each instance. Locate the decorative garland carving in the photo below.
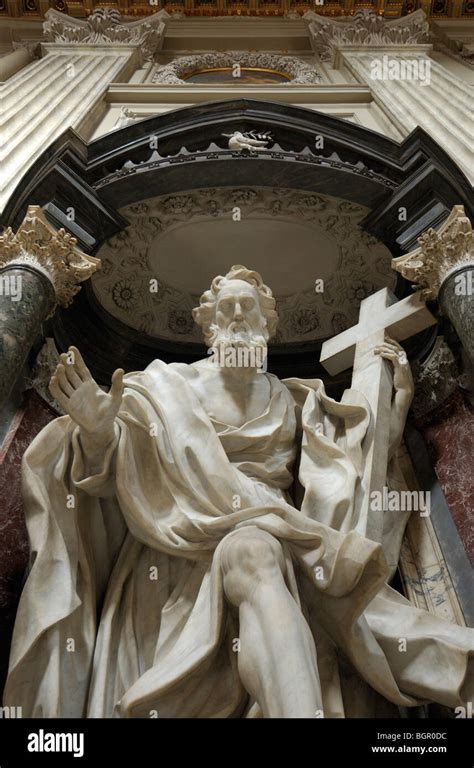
(301, 72)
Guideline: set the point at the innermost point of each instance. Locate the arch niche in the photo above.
(154, 198)
(142, 195)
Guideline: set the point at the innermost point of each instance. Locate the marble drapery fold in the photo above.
(165, 498)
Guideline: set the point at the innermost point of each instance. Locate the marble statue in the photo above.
(195, 549)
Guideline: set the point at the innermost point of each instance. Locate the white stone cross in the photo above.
(380, 314)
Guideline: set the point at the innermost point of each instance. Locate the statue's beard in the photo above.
(237, 346)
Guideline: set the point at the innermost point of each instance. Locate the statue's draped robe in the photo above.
(123, 612)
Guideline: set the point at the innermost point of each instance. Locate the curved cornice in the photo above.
(354, 164)
(397, 168)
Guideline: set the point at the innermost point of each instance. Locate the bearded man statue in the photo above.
(194, 550)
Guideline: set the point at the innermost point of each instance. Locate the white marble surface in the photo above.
(226, 589)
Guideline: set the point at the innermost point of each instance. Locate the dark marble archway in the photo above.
(184, 149)
(99, 178)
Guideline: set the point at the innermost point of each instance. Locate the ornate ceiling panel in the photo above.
(437, 9)
(322, 264)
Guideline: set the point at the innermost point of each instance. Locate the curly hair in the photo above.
(205, 314)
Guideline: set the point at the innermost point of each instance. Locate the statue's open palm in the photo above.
(81, 397)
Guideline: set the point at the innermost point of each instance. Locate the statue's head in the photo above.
(238, 309)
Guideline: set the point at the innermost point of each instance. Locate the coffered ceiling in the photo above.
(390, 8)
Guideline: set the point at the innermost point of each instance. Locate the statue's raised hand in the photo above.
(81, 397)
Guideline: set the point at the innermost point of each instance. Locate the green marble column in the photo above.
(40, 268)
(26, 299)
(443, 266)
(456, 300)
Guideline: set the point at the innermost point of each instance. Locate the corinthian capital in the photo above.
(105, 26)
(52, 252)
(365, 28)
(441, 253)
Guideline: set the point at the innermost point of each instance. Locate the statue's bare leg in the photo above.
(277, 657)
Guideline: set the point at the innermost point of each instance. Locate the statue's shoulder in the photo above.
(159, 367)
(157, 372)
(300, 388)
(186, 370)
(192, 371)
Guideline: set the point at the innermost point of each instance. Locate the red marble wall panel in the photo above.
(449, 435)
(14, 550)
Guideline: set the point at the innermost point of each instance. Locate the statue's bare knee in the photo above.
(250, 558)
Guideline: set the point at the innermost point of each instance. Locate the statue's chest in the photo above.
(232, 408)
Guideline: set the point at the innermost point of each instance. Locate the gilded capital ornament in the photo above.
(365, 28)
(441, 253)
(105, 26)
(52, 252)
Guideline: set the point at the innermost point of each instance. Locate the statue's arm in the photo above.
(403, 390)
(93, 410)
